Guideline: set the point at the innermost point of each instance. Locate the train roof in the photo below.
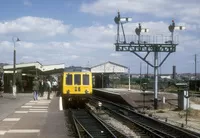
(77, 69)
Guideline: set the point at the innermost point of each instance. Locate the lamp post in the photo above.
(14, 39)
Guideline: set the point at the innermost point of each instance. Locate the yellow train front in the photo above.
(76, 87)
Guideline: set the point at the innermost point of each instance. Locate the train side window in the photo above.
(69, 79)
(86, 80)
(77, 79)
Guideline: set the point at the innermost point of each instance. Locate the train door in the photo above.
(69, 83)
(86, 82)
(77, 83)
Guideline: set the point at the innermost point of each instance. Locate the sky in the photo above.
(83, 32)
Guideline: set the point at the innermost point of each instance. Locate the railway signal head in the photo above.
(119, 19)
(179, 28)
(173, 27)
(140, 29)
(116, 19)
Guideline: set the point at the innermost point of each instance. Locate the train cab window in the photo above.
(77, 79)
(85, 79)
(69, 79)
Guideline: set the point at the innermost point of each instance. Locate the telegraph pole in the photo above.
(147, 70)
(129, 79)
(140, 75)
(195, 60)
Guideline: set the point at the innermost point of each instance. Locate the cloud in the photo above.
(115, 54)
(33, 27)
(45, 52)
(94, 33)
(93, 44)
(184, 10)
(27, 3)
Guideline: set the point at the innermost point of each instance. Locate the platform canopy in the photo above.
(109, 67)
(34, 68)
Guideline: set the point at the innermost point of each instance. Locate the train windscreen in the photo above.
(77, 79)
(86, 80)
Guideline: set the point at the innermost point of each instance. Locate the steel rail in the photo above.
(157, 126)
(111, 129)
(145, 130)
(90, 124)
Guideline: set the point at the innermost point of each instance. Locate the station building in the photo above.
(103, 73)
(25, 73)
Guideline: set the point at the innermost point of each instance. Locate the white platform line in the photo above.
(40, 107)
(47, 102)
(30, 103)
(11, 119)
(26, 106)
(21, 112)
(60, 104)
(33, 101)
(23, 131)
(38, 111)
(2, 132)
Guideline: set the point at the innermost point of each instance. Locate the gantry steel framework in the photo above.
(139, 46)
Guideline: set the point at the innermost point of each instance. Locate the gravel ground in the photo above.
(178, 118)
(114, 123)
(196, 100)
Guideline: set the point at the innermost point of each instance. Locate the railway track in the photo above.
(149, 125)
(87, 125)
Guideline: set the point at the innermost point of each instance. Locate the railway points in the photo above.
(153, 127)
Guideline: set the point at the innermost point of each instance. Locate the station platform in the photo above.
(34, 119)
(136, 98)
(8, 104)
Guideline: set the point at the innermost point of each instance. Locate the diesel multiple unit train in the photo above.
(76, 86)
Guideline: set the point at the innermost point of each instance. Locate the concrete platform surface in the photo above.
(8, 104)
(135, 97)
(35, 119)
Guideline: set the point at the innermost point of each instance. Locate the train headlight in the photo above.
(86, 92)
